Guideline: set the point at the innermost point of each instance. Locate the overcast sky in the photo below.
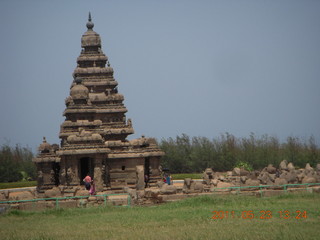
(197, 67)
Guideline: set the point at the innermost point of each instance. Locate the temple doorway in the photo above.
(86, 167)
(56, 170)
(146, 171)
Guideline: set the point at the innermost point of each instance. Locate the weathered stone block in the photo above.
(2, 196)
(283, 165)
(54, 192)
(82, 193)
(198, 187)
(291, 167)
(152, 192)
(271, 169)
(309, 180)
(24, 195)
(168, 189)
(280, 181)
(68, 204)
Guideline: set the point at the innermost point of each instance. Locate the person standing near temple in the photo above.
(87, 182)
(92, 188)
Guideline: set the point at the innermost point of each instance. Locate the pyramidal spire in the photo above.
(90, 24)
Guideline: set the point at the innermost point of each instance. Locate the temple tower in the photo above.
(93, 135)
(94, 103)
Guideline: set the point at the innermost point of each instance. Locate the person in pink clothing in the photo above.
(87, 182)
(92, 188)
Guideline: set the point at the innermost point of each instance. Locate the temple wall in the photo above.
(123, 172)
(45, 176)
(154, 166)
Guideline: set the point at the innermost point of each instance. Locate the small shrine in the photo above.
(94, 133)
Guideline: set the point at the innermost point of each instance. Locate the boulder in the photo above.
(271, 169)
(272, 177)
(308, 170)
(168, 189)
(291, 167)
(222, 178)
(23, 195)
(243, 179)
(251, 182)
(215, 182)
(309, 180)
(290, 177)
(308, 167)
(152, 192)
(52, 193)
(197, 187)
(283, 165)
(236, 171)
(2, 196)
(300, 177)
(253, 175)
(264, 178)
(280, 181)
(244, 172)
(318, 167)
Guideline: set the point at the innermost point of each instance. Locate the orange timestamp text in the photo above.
(263, 214)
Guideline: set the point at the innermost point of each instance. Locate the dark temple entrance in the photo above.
(56, 170)
(86, 167)
(146, 171)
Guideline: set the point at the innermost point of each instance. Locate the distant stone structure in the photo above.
(93, 135)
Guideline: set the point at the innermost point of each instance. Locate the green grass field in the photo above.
(182, 176)
(187, 219)
(18, 184)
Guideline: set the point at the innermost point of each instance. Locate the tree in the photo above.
(14, 162)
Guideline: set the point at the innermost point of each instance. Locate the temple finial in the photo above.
(89, 19)
(90, 24)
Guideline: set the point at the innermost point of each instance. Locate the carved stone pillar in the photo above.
(140, 177)
(72, 175)
(63, 172)
(98, 176)
(75, 166)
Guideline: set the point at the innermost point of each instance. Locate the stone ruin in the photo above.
(286, 173)
(93, 135)
(211, 182)
(270, 177)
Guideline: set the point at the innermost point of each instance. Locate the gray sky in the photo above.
(197, 67)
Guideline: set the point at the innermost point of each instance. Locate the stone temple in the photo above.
(94, 133)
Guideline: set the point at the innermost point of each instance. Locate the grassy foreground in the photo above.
(20, 184)
(187, 219)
